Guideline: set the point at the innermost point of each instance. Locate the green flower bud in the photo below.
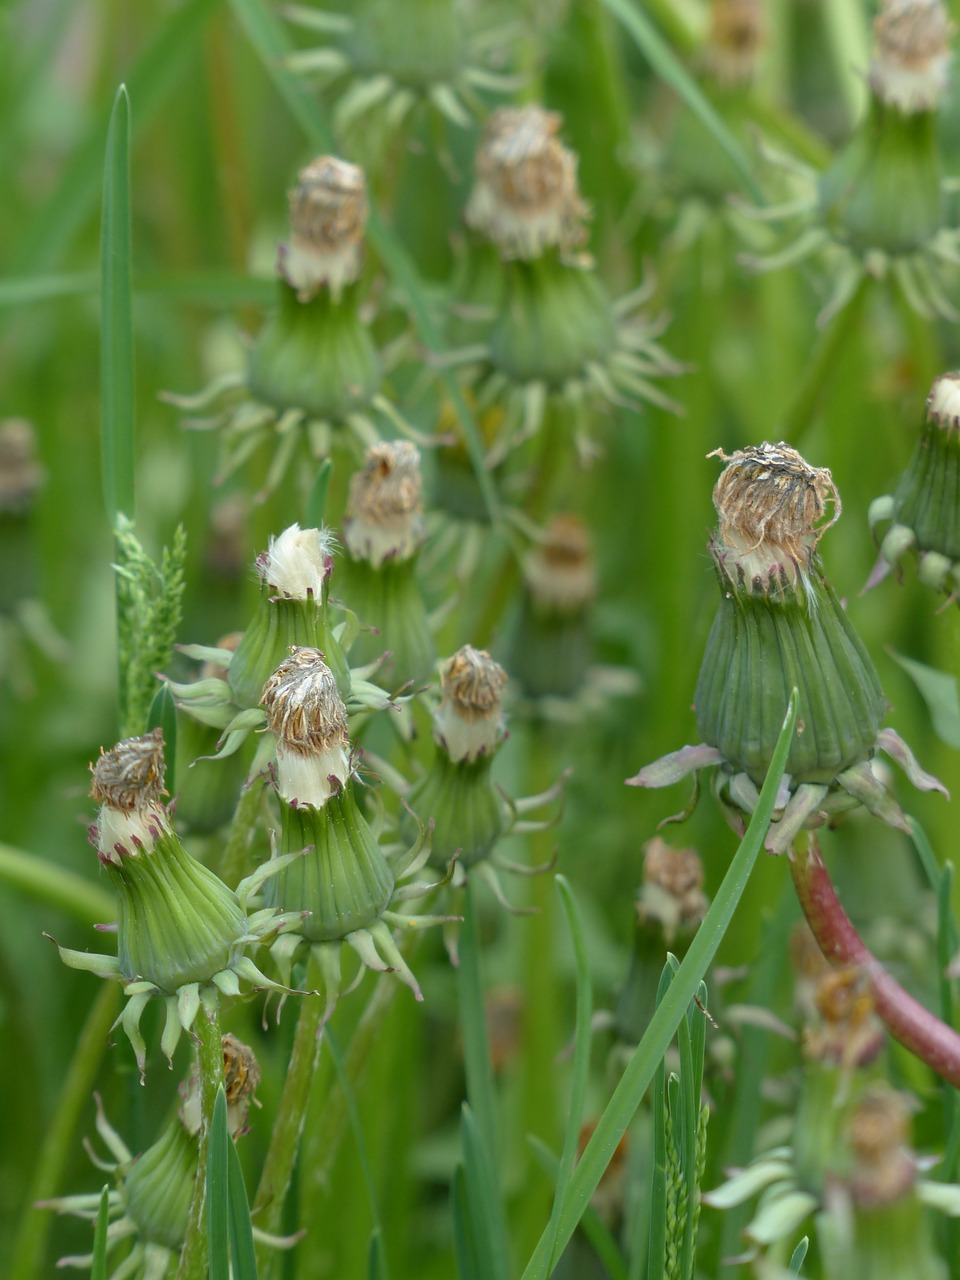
(294, 572)
(382, 533)
(314, 355)
(925, 509)
(457, 793)
(177, 923)
(418, 46)
(330, 870)
(883, 191)
(780, 625)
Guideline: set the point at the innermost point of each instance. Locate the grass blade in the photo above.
(483, 1206)
(581, 1054)
(81, 899)
(218, 1227)
(657, 1233)
(667, 66)
(591, 1224)
(116, 342)
(243, 1256)
(648, 1054)
(163, 715)
(98, 1269)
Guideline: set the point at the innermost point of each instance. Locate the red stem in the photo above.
(906, 1019)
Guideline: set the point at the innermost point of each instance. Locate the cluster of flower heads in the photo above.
(879, 209)
(780, 626)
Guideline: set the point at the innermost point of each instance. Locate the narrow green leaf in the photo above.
(116, 320)
(376, 1262)
(667, 66)
(648, 1054)
(463, 1243)
(592, 1226)
(939, 691)
(484, 1207)
(98, 1269)
(798, 1256)
(581, 1052)
(218, 1227)
(242, 1252)
(31, 289)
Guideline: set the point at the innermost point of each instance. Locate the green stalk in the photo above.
(649, 1052)
(288, 1126)
(58, 1143)
(235, 858)
(194, 1257)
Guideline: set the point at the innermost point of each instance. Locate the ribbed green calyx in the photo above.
(278, 624)
(177, 922)
(158, 1186)
(418, 44)
(555, 319)
(767, 640)
(316, 356)
(927, 499)
(388, 597)
(780, 626)
(343, 880)
(466, 808)
(883, 191)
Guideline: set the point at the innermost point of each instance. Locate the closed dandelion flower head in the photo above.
(181, 932)
(735, 39)
(923, 513)
(525, 196)
(780, 626)
(298, 562)
(470, 722)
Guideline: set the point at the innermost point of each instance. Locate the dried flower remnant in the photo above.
(924, 510)
(21, 474)
(181, 932)
(780, 626)
(911, 57)
(525, 196)
(385, 510)
(328, 214)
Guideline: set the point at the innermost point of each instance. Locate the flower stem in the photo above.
(194, 1259)
(906, 1019)
(235, 859)
(285, 1140)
